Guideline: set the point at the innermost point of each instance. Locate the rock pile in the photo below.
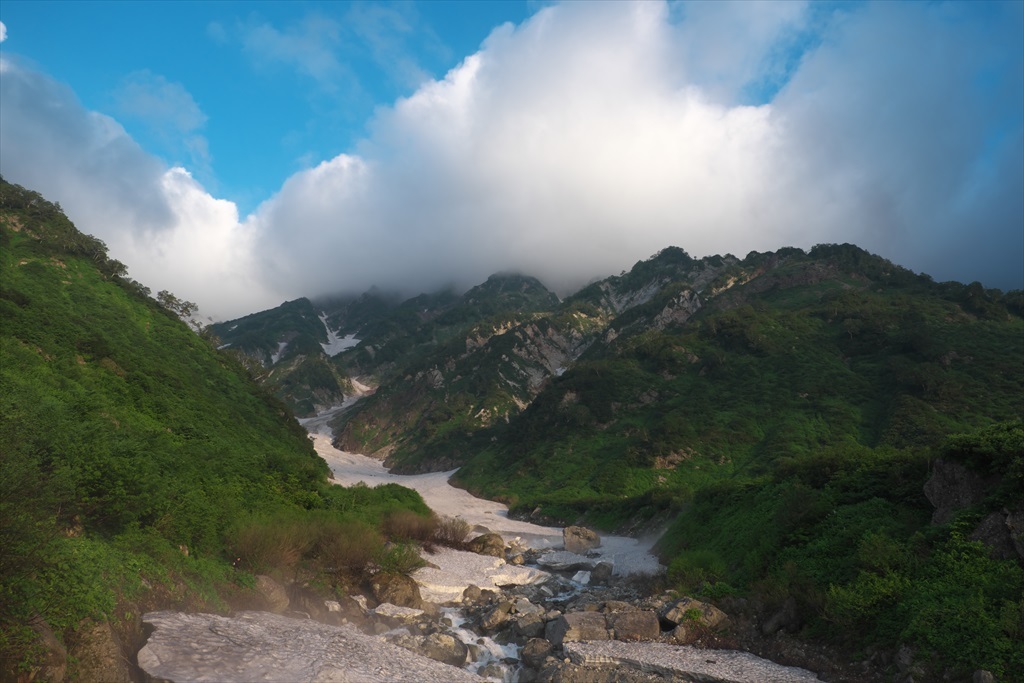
(467, 615)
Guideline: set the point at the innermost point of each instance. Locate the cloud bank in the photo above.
(587, 138)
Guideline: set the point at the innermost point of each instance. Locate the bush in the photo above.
(399, 558)
(349, 547)
(451, 532)
(406, 525)
(273, 543)
(694, 571)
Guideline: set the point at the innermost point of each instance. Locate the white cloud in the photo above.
(3, 32)
(589, 137)
(594, 135)
(158, 221)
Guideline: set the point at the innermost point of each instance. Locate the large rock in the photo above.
(530, 625)
(638, 625)
(578, 539)
(576, 626)
(1015, 524)
(994, 532)
(691, 618)
(565, 561)
(274, 595)
(601, 573)
(535, 652)
(401, 614)
(397, 589)
(497, 616)
(441, 647)
(690, 611)
(488, 544)
(786, 618)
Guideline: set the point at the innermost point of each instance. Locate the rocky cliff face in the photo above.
(953, 488)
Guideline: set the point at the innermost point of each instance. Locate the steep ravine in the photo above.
(525, 619)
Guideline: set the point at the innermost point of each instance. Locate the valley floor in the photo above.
(340, 652)
(628, 555)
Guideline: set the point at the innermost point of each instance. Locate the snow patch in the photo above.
(336, 344)
(277, 356)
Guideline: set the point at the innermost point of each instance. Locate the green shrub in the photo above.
(694, 571)
(399, 558)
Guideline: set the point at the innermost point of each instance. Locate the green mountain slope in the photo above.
(807, 353)
(137, 461)
(786, 409)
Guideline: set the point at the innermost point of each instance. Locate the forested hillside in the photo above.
(138, 463)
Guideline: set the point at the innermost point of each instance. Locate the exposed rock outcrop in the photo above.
(952, 487)
(97, 655)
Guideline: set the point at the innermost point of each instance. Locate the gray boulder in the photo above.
(578, 539)
(601, 573)
(688, 610)
(497, 616)
(634, 625)
(274, 595)
(786, 618)
(535, 652)
(443, 647)
(688, 618)
(488, 544)
(576, 626)
(530, 625)
(952, 487)
(398, 589)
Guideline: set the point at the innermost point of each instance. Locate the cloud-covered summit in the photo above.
(586, 138)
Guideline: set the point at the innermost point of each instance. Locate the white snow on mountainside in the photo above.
(336, 344)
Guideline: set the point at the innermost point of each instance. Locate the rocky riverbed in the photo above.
(525, 624)
(532, 603)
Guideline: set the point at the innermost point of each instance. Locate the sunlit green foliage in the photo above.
(131, 448)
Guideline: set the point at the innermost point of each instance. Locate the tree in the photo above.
(179, 307)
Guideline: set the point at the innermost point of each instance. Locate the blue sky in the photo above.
(273, 86)
(240, 154)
